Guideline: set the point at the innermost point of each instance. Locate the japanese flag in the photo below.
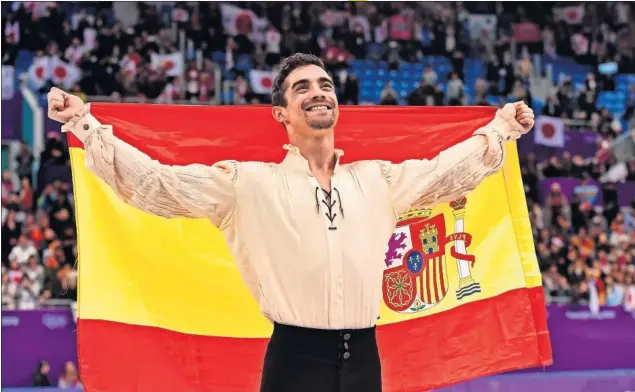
(240, 21)
(261, 81)
(39, 72)
(63, 73)
(172, 63)
(570, 15)
(549, 131)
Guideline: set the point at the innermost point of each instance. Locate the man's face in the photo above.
(311, 100)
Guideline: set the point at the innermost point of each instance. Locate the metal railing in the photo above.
(51, 303)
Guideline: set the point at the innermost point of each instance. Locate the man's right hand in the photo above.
(63, 106)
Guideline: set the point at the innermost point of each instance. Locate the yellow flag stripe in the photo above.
(520, 218)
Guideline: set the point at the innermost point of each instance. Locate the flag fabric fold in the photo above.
(163, 307)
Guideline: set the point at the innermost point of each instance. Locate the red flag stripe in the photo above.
(435, 275)
(218, 128)
(167, 361)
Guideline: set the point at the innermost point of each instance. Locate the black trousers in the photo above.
(314, 360)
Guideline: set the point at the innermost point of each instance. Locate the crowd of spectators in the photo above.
(68, 379)
(39, 246)
(583, 249)
(580, 248)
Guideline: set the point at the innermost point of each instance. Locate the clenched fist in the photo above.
(62, 106)
(519, 117)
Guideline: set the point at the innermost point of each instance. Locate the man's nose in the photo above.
(318, 95)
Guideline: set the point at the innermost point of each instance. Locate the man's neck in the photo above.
(318, 151)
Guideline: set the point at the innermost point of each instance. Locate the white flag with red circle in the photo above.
(172, 64)
(39, 72)
(241, 21)
(570, 15)
(549, 131)
(261, 81)
(63, 73)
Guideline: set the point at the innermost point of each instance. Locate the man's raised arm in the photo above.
(195, 191)
(459, 169)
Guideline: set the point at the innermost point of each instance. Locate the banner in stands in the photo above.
(526, 32)
(30, 336)
(12, 117)
(575, 142)
(590, 191)
(8, 82)
(482, 27)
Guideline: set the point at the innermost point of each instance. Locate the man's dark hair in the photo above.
(287, 66)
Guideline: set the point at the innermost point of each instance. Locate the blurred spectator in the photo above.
(25, 162)
(551, 108)
(69, 377)
(22, 251)
(429, 77)
(41, 375)
(389, 96)
(630, 103)
(350, 94)
(455, 93)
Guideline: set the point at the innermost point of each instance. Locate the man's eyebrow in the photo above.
(301, 81)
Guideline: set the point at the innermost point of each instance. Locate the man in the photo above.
(294, 228)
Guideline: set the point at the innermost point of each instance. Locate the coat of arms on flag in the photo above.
(416, 274)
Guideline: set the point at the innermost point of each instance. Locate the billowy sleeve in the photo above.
(193, 191)
(449, 176)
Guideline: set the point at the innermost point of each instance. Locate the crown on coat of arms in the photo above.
(418, 213)
(429, 237)
(458, 204)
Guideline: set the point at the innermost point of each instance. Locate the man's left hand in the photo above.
(519, 118)
(524, 116)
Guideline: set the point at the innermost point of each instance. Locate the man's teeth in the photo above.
(314, 108)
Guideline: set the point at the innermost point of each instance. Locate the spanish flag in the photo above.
(163, 308)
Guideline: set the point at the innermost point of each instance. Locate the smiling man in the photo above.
(295, 227)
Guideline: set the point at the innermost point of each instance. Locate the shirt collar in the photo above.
(295, 160)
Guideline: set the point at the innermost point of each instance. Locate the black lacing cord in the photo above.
(329, 203)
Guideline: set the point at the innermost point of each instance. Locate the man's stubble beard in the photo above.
(321, 124)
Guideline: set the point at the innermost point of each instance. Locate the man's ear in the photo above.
(279, 113)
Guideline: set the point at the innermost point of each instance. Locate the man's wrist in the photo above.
(82, 123)
(498, 128)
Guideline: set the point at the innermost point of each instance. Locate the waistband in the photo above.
(292, 330)
(326, 344)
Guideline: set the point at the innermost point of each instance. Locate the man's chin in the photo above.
(321, 125)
